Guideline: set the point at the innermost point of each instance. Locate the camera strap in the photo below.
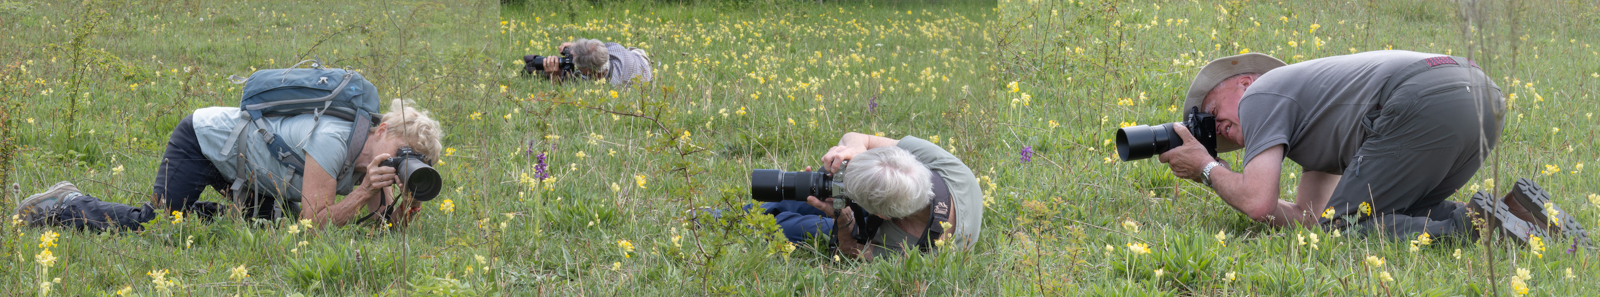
(386, 209)
(940, 206)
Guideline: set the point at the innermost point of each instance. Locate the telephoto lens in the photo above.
(772, 185)
(1141, 142)
(418, 177)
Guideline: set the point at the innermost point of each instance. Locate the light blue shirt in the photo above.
(325, 140)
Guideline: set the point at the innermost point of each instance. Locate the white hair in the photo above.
(590, 54)
(888, 181)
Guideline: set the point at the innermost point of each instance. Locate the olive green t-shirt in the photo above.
(964, 194)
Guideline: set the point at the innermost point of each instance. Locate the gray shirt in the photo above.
(1315, 107)
(325, 141)
(626, 65)
(964, 193)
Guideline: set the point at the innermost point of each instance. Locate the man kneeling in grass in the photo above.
(908, 183)
(194, 160)
(1384, 137)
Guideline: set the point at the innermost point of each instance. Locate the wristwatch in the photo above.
(1207, 172)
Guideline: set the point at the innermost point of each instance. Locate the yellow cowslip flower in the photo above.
(1126, 124)
(449, 151)
(1053, 124)
(614, 94)
(294, 229)
(1384, 276)
(1519, 284)
(238, 273)
(1366, 209)
(1551, 169)
(1012, 86)
(45, 258)
(116, 170)
(1537, 244)
(616, 266)
(581, 155)
(125, 291)
(447, 206)
(1374, 261)
(1230, 276)
(177, 217)
(639, 180)
(48, 239)
(741, 111)
(1138, 248)
(1594, 199)
(1570, 276)
(159, 278)
(934, 139)
(502, 88)
(1550, 213)
(1131, 225)
(1457, 254)
(1159, 272)
(1222, 238)
(1328, 214)
(627, 248)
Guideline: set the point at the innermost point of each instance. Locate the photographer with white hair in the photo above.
(593, 59)
(920, 196)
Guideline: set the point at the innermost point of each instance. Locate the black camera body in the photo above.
(418, 176)
(534, 64)
(1140, 142)
(773, 185)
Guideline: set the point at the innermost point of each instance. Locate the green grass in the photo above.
(743, 86)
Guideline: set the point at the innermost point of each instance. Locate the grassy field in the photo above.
(1106, 64)
(92, 90)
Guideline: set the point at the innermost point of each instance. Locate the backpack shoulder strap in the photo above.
(358, 142)
(941, 213)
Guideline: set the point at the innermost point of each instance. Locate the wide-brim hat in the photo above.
(1221, 69)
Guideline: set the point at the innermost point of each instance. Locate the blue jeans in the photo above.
(800, 222)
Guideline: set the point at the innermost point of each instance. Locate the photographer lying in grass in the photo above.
(1384, 138)
(194, 160)
(907, 183)
(592, 59)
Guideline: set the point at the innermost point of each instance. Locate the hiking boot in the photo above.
(1500, 220)
(1545, 213)
(37, 209)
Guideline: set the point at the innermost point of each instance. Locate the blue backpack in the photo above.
(293, 91)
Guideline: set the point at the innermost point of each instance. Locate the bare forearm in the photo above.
(340, 213)
(1256, 200)
(867, 141)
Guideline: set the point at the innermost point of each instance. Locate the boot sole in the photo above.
(1537, 201)
(1500, 218)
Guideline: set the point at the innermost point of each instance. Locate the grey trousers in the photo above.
(1427, 134)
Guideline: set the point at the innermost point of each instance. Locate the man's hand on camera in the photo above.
(552, 65)
(844, 223)
(1188, 159)
(837, 155)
